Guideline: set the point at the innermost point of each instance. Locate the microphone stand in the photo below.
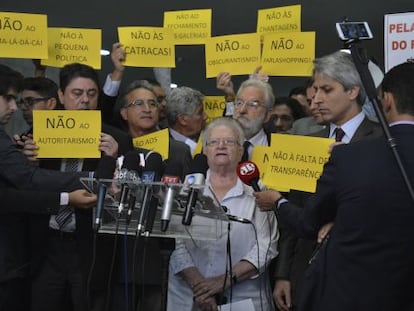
(361, 63)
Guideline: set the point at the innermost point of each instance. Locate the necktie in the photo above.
(339, 134)
(65, 212)
(246, 146)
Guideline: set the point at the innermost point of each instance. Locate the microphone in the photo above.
(198, 167)
(235, 218)
(172, 172)
(129, 169)
(249, 174)
(102, 188)
(150, 173)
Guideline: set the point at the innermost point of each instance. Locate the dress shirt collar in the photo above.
(349, 127)
(180, 137)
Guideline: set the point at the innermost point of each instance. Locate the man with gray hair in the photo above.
(185, 114)
(254, 100)
(339, 96)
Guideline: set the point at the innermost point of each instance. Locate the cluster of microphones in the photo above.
(136, 180)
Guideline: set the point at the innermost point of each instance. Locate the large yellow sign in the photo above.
(148, 46)
(23, 35)
(158, 141)
(288, 54)
(74, 45)
(237, 54)
(282, 19)
(296, 162)
(67, 133)
(189, 26)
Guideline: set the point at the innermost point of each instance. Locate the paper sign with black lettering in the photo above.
(67, 133)
(148, 46)
(158, 141)
(238, 54)
(74, 45)
(296, 162)
(214, 107)
(23, 35)
(398, 39)
(288, 54)
(189, 26)
(282, 19)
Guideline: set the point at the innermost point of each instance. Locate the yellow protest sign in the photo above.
(260, 157)
(296, 162)
(23, 35)
(158, 141)
(282, 19)
(238, 54)
(148, 46)
(199, 146)
(214, 107)
(189, 26)
(67, 133)
(288, 54)
(74, 45)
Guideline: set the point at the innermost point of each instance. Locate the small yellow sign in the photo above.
(189, 26)
(199, 146)
(67, 133)
(74, 45)
(238, 54)
(23, 35)
(158, 141)
(148, 46)
(296, 162)
(214, 107)
(282, 19)
(288, 54)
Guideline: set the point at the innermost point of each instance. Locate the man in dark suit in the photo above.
(339, 95)
(70, 244)
(367, 263)
(17, 173)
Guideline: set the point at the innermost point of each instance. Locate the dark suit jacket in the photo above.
(16, 172)
(370, 253)
(295, 253)
(39, 226)
(24, 201)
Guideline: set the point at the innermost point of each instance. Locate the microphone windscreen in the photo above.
(199, 164)
(131, 161)
(153, 163)
(173, 168)
(248, 172)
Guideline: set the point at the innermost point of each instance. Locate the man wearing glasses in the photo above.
(254, 100)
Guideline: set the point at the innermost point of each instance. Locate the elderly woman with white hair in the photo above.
(199, 279)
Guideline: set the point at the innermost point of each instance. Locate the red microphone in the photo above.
(248, 172)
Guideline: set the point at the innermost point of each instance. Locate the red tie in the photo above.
(339, 134)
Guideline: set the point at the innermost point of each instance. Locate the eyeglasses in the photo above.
(160, 99)
(30, 101)
(238, 104)
(152, 104)
(226, 142)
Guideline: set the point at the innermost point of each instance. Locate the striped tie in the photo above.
(65, 212)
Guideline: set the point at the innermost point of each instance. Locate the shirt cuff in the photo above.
(111, 88)
(64, 198)
(279, 202)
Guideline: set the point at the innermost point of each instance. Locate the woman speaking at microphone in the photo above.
(198, 277)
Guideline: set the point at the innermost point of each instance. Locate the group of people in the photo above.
(361, 199)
